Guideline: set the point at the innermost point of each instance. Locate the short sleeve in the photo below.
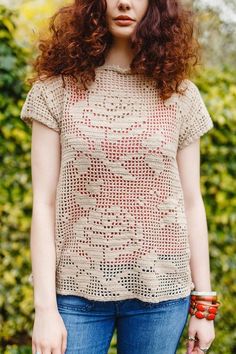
(41, 105)
(196, 119)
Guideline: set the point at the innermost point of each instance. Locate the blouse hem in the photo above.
(124, 297)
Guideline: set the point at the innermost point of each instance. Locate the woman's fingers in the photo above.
(190, 347)
(46, 351)
(203, 345)
(57, 351)
(64, 343)
(191, 342)
(193, 346)
(36, 349)
(205, 341)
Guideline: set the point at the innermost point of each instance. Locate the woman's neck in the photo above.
(120, 54)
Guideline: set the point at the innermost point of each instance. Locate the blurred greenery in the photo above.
(218, 183)
(15, 190)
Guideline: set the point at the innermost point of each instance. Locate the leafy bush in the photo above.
(218, 171)
(15, 190)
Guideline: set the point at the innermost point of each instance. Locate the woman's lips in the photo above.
(123, 22)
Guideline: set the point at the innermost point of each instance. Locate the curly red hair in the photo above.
(164, 43)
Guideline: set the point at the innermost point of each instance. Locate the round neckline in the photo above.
(116, 67)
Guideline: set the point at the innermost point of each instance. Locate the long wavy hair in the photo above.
(164, 44)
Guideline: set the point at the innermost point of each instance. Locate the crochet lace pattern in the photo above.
(120, 224)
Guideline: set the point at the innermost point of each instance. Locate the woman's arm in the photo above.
(45, 162)
(188, 160)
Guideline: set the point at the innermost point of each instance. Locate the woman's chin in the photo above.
(124, 33)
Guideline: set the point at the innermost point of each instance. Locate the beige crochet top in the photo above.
(120, 228)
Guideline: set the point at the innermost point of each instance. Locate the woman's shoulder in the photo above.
(44, 103)
(187, 89)
(190, 89)
(188, 92)
(49, 84)
(51, 90)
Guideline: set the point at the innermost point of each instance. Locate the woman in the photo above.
(115, 163)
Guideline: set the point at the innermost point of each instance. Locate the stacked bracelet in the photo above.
(201, 310)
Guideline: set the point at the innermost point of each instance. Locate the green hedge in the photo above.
(15, 190)
(218, 171)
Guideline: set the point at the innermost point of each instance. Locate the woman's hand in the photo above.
(49, 332)
(203, 330)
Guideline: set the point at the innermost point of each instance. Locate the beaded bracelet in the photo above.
(203, 311)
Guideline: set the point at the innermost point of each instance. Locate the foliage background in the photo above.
(217, 83)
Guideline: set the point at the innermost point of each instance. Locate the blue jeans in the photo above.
(142, 327)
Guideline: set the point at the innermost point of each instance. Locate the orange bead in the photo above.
(201, 307)
(211, 316)
(212, 310)
(199, 314)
